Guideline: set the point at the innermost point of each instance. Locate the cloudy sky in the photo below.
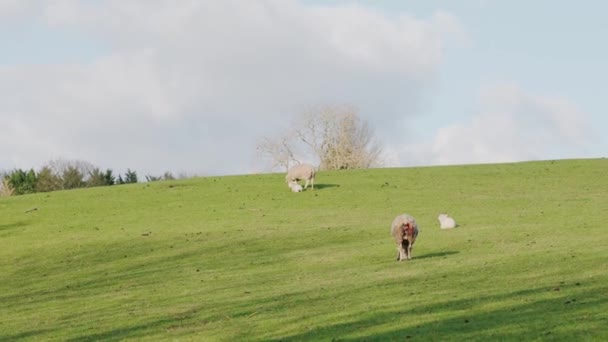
(190, 86)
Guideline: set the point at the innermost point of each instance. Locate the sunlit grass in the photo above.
(242, 258)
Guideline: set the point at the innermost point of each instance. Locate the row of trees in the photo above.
(64, 175)
(334, 136)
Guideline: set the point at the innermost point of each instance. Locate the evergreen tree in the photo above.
(23, 182)
(109, 178)
(130, 176)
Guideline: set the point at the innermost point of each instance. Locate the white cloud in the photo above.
(511, 125)
(14, 10)
(190, 85)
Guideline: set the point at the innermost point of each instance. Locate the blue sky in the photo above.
(190, 87)
(549, 48)
(35, 43)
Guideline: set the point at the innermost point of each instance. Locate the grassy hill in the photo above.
(241, 258)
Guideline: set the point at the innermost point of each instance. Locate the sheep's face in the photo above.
(295, 187)
(442, 217)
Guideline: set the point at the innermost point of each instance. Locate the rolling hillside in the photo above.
(241, 258)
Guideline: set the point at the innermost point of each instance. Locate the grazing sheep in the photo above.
(301, 172)
(446, 222)
(295, 187)
(404, 230)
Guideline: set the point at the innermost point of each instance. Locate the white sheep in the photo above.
(446, 222)
(295, 187)
(301, 172)
(404, 230)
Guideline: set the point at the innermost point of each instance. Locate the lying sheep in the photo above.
(446, 222)
(404, 230)
(301, 172)
(295, 187)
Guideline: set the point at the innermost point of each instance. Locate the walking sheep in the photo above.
(301, 172)
(446, 222)
(404, 230)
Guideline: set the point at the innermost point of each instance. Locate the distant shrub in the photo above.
(73, 178)
(150, 178)
(109, 178)
(60, 174)
(96, 178)
(166, 176)
(48, 180)
(6, 189)
(23, 182)
(129, 177)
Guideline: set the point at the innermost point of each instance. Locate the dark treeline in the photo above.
(65, 175)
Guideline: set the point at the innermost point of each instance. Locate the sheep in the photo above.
(295, 187)
(446, 222)
(301, 171)
(404, 230)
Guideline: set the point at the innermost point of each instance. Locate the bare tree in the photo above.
(279, 151)
(335, 136)
(63, 167)
(340, 138)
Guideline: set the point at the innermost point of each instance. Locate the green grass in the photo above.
(242, 258)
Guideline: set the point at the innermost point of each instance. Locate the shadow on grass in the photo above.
(564, 317)
(140, 330)
(326, 186)
(435, 255)
(134, 274)
(12, 225)
(23, 335)
(140, 268)
(567, 315)
(528, 314)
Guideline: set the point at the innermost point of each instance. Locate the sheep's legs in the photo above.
(401, 254)
(403, 251)
(409, 251)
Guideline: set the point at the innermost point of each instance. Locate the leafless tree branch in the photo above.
(335, 135)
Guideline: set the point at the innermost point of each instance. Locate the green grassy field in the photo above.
(240, 258)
